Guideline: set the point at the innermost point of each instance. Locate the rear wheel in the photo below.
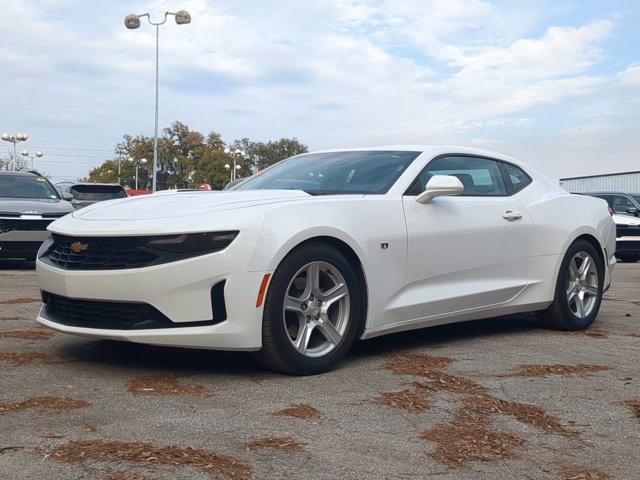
(312, 311)
(578, 293)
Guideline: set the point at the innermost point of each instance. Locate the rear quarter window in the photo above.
(516, 177)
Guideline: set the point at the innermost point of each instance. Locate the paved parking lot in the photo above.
(498, 398)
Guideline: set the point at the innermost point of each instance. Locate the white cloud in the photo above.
(630, 76)
(332, 73)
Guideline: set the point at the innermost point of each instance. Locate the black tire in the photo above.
(560, 315)
(278, 352)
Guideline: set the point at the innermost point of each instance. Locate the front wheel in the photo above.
(579, 287)
(312, 311)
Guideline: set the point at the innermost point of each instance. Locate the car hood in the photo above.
(34, 206)
(181, 204)
(626, 220)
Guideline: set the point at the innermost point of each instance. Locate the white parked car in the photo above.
(628, 241)
(324, 248)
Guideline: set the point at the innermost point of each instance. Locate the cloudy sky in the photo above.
(555, 83)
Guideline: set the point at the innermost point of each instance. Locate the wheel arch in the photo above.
(589, 237)
(352, 256)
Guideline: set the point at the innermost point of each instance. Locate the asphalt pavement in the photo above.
(491, 399)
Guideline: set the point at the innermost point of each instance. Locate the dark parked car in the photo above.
(28, 204)
(621, 203)
(626, 210)
(85, 194)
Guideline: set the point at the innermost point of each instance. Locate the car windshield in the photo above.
(97, 193)
(366, 172)
(637, 197)
(26, 186)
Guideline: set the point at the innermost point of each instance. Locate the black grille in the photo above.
(627, 231)
(108, 253)
(9, 225)
(108, 315)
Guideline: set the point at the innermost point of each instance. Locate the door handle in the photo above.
(512, 215)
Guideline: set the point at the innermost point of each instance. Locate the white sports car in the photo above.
(298, 261)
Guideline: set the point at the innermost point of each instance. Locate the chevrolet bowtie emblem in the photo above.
(78, 247)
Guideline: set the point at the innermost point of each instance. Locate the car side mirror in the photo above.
(67, 196)
(440, 186)
(633, 211)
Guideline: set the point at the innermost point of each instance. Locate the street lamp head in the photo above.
(132, 21)
(238, 151)
(25, 153)
(6, 136)
(227, 166)
(22, 136)
(39, 154)
(183, 17)
(238, 167)
(143, 160)
(226, 150)
(130, 159)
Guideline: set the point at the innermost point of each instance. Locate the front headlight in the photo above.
(192, 243)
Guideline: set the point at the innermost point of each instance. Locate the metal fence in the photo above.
(628, 182)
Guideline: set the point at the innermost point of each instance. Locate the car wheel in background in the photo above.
(312, 312)
(579, 288)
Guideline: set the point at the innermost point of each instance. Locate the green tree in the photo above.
(187, 158)
(261, 155)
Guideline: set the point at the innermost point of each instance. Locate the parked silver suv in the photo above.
(28, 204)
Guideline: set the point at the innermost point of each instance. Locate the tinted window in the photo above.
(516, 176)
(480, 176)
(97, 193)
(26, 186)
(620, 204)
(335, 173)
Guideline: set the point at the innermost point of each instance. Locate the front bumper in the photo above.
(181, 291)
(21, 243)
(17, 249)
(629, 246)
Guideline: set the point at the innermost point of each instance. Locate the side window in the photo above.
(480, 176)
(516, 177)
(621, 204)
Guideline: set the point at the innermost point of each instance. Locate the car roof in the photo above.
(97, 184)
(433, 150)
(19, 174)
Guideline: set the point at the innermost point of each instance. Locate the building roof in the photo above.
(601, 175)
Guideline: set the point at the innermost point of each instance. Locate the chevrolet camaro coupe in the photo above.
(303, 258)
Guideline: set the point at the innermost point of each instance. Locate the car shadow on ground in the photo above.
(17, 265)
(183, 360)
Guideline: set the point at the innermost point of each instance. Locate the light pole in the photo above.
(18, 137)
(143, 161)
(25, 153)
(132, 21)
(235, 154)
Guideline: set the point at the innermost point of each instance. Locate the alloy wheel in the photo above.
(316, 309)
(582, 284)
